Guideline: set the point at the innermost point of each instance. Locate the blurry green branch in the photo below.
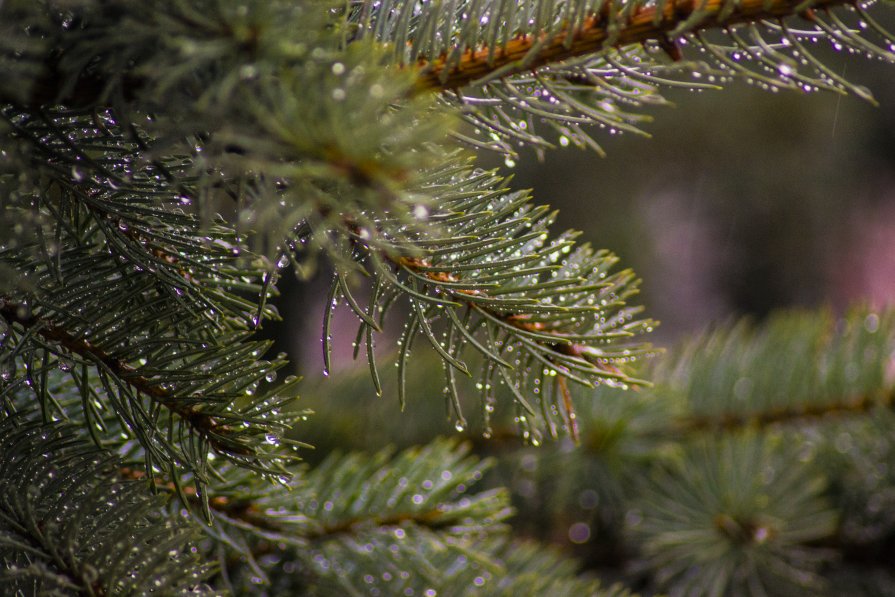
(794, 415)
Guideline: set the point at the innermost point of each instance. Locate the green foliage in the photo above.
(796, 364)
(172, 350)
(734, 518)
(381, 524)
(393, 523)
(775, 500)
(68, 525)
(599, 75)
(162, 162)
(533, 307)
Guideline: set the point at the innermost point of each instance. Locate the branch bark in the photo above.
(204, 424)
(731, 421)
(595, 35)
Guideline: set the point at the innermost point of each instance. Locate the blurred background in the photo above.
(743, 201)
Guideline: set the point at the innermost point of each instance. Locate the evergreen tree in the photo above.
(163, 162)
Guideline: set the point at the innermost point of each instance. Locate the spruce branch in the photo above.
(64, 519)
(206, 426)
(518, 71)
(417, 502)
(486, 279)
(797, 369)
(618, 24)
(169, 347)
(795, 363)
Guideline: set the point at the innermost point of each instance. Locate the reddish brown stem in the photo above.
(734, 421)
(595, 35)
(204, 424)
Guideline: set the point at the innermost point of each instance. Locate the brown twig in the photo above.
(727, 422)
(206, 425)
(594, 35)
(245, 510)
(428, 518)
(561, 346)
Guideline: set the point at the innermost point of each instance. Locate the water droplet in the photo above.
(579, 533)
(871, 323)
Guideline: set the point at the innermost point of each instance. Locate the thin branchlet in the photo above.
(517, 320)
(207, 426)
(797, 414)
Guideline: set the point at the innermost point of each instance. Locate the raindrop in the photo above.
(871, 323)
(579, 533)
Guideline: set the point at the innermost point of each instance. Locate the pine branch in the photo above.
(794, 415)
(626, 26)
(64, 519)
(514, 70)
(489, 275)
(206, 426)
(157, 306)
(736, 517)
(412, 506)
(795, 365)
(592, 61)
